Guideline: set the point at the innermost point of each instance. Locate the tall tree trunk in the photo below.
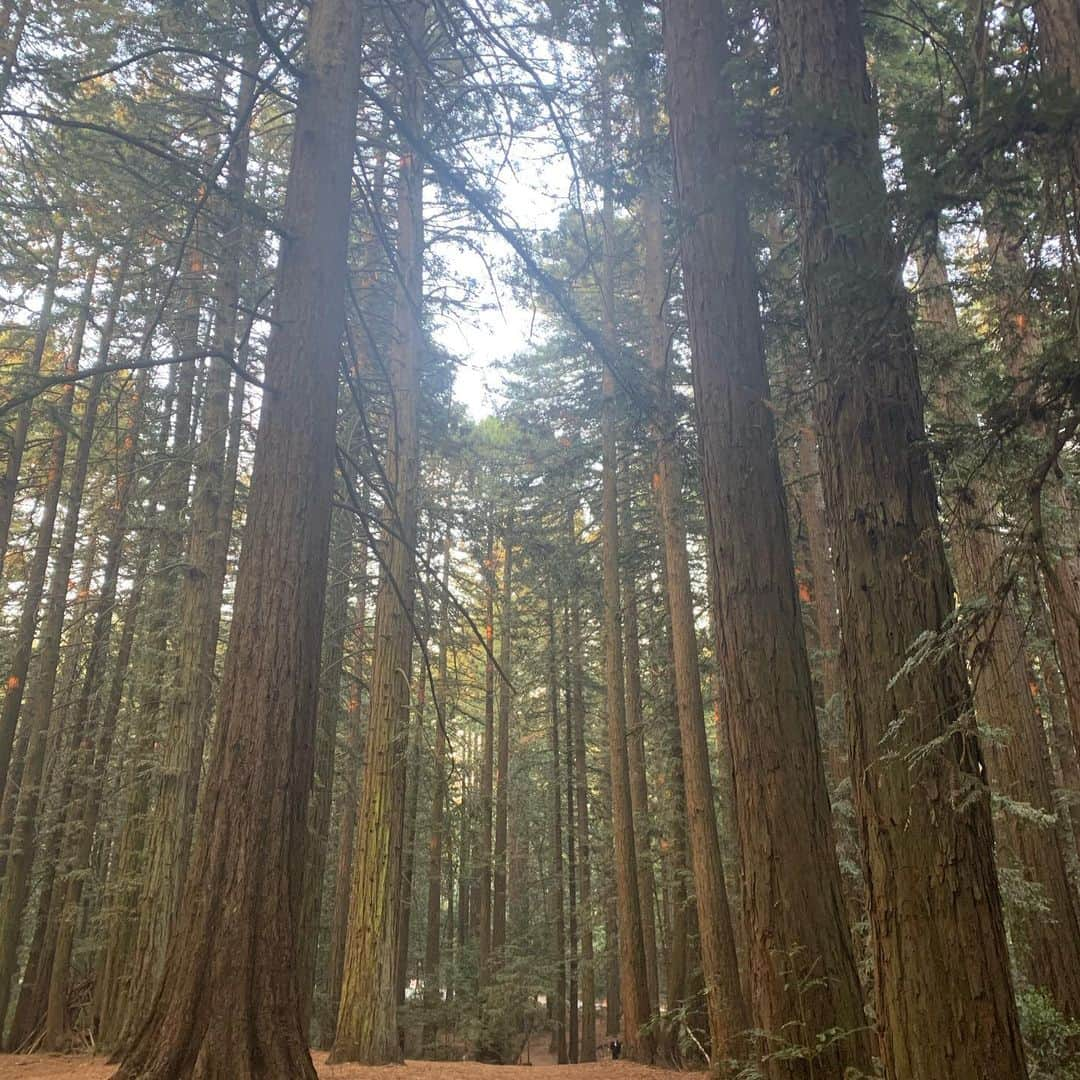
(502, 757)
(350, 795)
(677, 975)
(573, 1034)
(633, 974)
(487, 764)
(9, 486)
(229, 1004)
(802, 971)
(581, 795)
(433, 939)
(367, 1028)
(368, 277)
(920, 797)
(558, 899)
(34, 588)
(190, 702)
(728, 1016)
(1020, 767)
(639, 788)
(633, 977)
(40, 716)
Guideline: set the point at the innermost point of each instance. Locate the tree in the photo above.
(1017, 752)
(39, 722)
(254, 810)
(919, 792)
(728, 1017)
(367, 1027)
(567, 639)
(9, 489)
(200, 590)
(802, 971)
(433, 938)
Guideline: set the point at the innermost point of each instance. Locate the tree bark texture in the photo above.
(367, 1029)
(944, 1000)
(229, 1005)
(801, 966)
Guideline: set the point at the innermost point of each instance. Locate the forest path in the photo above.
(58, 1067)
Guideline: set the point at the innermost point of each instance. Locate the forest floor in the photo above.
(58, 1067)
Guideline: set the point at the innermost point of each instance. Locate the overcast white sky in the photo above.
(535, 179)
(535, 193)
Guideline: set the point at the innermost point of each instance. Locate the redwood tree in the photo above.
(944, 998)
(367, 1018)
(229, 1004)
(802, 973)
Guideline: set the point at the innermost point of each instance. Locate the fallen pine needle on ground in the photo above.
(60, 1067)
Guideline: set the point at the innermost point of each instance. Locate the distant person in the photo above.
(616, 1049)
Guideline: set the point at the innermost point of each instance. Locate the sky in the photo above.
(535, 180)
(534, 194)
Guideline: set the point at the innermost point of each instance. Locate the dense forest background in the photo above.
(702, 668)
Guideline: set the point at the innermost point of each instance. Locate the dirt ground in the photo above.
(55, 1067)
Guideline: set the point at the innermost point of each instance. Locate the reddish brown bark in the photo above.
(487, 766)
(581, 794)
(639, 791)
(802, 974)
(920, 797)
(229, 1005)
(502, 756)
(1018, 756)
(367, 1029)
(728, 1016)
(633, 971)
(433, 936)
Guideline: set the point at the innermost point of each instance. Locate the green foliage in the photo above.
(1052, 1043)
(507, 1014)
(679, 1037)
(794, 1041)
